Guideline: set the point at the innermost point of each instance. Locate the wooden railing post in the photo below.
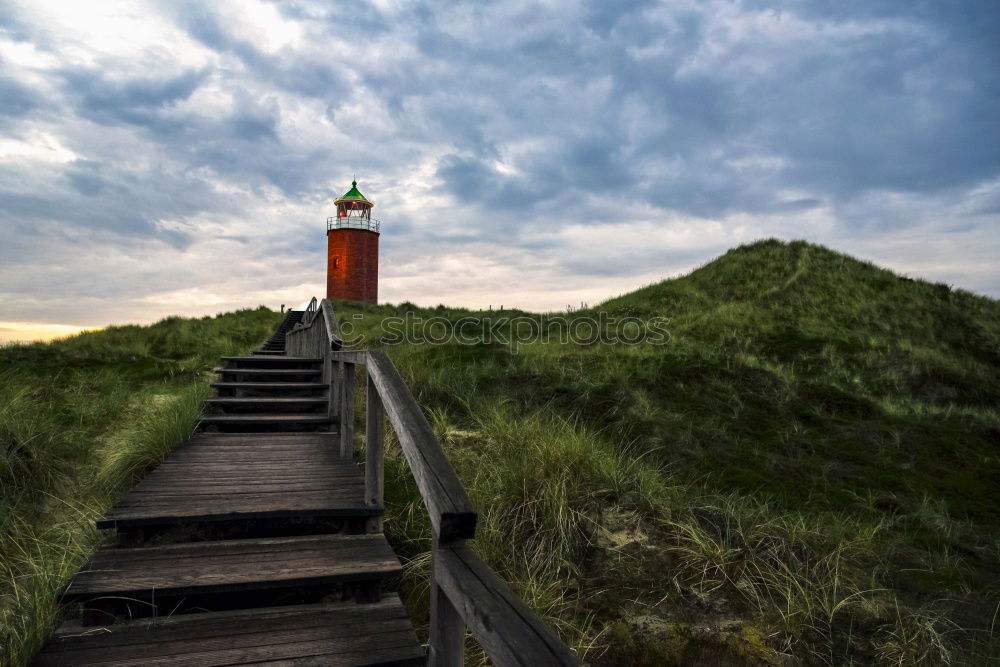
(327, 377)
(447, 632)
(347, 410)
(374, 453)
(336, 378)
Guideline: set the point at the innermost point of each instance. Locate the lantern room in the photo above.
(354, 211)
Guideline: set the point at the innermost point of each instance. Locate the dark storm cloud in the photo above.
(142, 101)
(90, 196)
(16, 100)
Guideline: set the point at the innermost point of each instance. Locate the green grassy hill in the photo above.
(805, 473)
(809, 468)
(81, 419)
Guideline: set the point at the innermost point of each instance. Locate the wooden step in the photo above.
(267, 400)
(338, 634)
(269, 372)
(289, 422)
(271, 387)
(235, 477)
(234, 405)
(275, 361)
(272, 418)
(213, 575)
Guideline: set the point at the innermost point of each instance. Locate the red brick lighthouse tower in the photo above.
(352, 249)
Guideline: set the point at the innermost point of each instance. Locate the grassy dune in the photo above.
(81, 419)
(806, 473)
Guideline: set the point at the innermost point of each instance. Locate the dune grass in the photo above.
(81, 419)
(805, 474)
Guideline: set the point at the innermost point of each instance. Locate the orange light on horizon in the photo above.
(29, 332)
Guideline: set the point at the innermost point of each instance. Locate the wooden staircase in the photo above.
(247, 544)
(258, 541)
(275, 345)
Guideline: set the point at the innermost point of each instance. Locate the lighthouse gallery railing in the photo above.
(465, 591)
(354, 222)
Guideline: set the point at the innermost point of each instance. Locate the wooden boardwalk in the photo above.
(259, 540)
(247, 545)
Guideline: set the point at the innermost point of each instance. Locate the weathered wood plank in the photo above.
(508, 631)
(229, 565)
(351, 356)
(216, 514)
(269, 372)
(248, 501)
(347, 411)
(447, 631)
(264, 642)
(236, 622)
(374, 453)
(333, 634)
(269, 385)
(305, 418)
(256, 401)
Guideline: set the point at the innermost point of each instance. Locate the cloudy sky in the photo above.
(169, 157)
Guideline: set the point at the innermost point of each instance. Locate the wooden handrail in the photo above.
(450, 509)
(508, 631)
(465, 592)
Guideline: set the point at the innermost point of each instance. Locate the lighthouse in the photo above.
(352, 249)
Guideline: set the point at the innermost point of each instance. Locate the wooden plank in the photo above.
(255, 440)
(450, 509)
(508, 631)
(237, 461)
(447, 631)
(284, 359)
(236, 621)
(338, 543)
(277, 417)
(374, 453)
(390, 632)
(276, 372)
(334, 476)
(335, 383)
(261, 501)
(265, 400)
(229, 565)
(351, 356)
(266, 645)
(204, 488)
(351, 652)
(269, 385)
(329, 633)
(238, 471)
(139, 518)
(294, 454)
(347, 411)
(323, 453)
